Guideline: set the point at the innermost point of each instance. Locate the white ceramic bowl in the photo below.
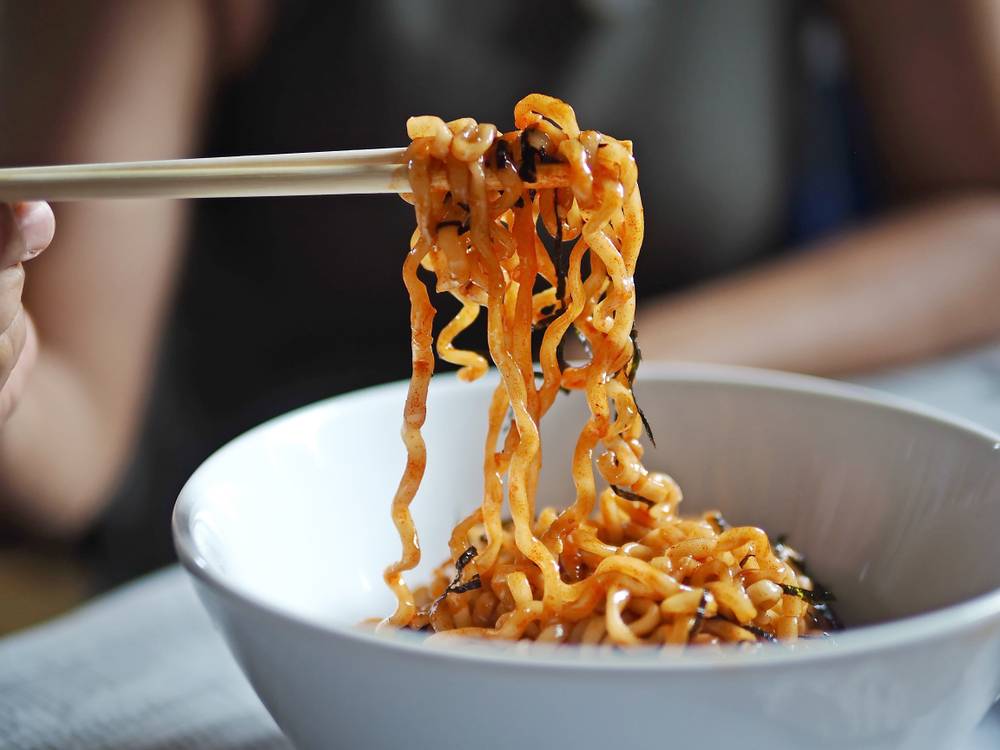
(286, 530)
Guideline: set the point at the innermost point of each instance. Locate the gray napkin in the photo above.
(141, 668)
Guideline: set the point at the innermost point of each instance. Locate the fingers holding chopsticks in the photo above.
(26, 229)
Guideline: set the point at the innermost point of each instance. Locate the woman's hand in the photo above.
(25, 230)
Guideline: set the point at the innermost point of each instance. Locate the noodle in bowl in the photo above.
(284, 532)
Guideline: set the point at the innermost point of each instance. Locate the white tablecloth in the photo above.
(143, 669)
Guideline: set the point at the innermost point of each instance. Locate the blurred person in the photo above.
(165, 328)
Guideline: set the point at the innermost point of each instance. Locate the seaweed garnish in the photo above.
(629, 495)
(501, 154)
(528, 170)
(462, 227)
(559, 255)
(789, 555)
(818, 596)
(762, 635)
(561, 258)
(823, 616)
(548, 119)
(785, 553)
(545, 322)
(465, 558)
(645, 423)
(457, 586)
(721, 524)
(461, 588)
(699, 616)
(532, 156)
(556, 249)
(633, 367)
(759, 633)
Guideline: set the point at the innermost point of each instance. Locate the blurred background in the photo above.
(820, 183)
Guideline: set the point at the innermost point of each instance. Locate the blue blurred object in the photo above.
(834, 179)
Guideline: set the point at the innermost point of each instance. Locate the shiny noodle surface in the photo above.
(619, 565)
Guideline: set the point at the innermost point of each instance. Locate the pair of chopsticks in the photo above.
(379, 170)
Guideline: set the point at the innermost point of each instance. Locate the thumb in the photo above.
(26, 229)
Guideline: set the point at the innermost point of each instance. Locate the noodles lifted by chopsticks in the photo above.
(618, 565)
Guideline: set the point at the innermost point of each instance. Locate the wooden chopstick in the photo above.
(316, 173)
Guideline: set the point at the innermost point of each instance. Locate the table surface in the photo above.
(143, 668)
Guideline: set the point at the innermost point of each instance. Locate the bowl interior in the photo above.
(895, 510)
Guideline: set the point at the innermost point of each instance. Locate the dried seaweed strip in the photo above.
(501, 155)
(719, 521)
(762, 635)
(825, 618)
(822, 614)
(819, 596)
(630, 372)
(633, 365)
(548, 119)
(786, 553)
(462, 226)
(645, 422)
(545, 322)
(457, 586)
(699, 616)
(464, 559)
(528, 170)
(561, 259)
(461, 588)
(629, 495)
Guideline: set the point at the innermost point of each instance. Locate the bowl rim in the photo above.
(952, 620)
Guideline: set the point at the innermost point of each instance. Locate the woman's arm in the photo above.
(89, 81)
(908, 287)
(917, 283)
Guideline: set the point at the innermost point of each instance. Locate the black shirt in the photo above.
(288, 300)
